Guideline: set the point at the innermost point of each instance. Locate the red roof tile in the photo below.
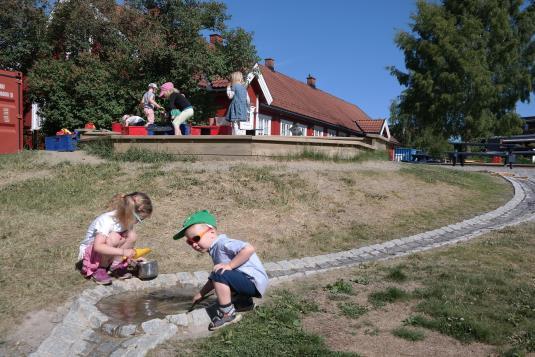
(298, 97)
(372, 126)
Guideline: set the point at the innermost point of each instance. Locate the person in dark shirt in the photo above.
(179, 107)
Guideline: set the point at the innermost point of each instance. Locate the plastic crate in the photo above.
(225, 130)
(61, 143)
(195, 130)
(205, 130)
(134, 130)
(117, 127)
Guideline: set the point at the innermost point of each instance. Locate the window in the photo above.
(331, 132)
(303, 131)
(264, 123)
(318, 131)
(342, 134)
(285, 127)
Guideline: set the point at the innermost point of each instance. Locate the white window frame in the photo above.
(285, 127)
(331, 132)
(318, 131)
(264, 123)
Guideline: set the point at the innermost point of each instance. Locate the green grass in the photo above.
(24, 160)
(408, 334)
(396, 274)
(308, 154)
(103, 148)
(352, 310)
(433, 174)
(362, 280)
(340, 287)
(389, 295)
(70, 184)
(483, 292)
(271, 330)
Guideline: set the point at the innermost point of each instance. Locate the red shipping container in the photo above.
(11, 112)
(117, 127)
(134, 130)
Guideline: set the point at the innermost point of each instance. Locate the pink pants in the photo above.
(91, 262)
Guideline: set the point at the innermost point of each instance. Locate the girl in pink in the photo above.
(111, 237)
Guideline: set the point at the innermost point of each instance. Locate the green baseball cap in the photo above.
(198, 217)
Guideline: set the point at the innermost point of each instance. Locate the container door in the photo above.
(10, 112)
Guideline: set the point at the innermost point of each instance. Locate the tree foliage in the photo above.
(468, 62)
(22, 33)
(102, 55)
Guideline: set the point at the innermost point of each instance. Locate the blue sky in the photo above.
(345, 44)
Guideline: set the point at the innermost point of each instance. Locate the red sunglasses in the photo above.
(197, 238)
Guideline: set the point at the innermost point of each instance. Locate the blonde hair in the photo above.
(126, 205)
(236, 77)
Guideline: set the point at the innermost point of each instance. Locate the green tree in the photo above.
(468, 62)
(104, 55)
(22, 33)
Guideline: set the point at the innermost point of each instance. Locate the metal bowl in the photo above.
(147, 269)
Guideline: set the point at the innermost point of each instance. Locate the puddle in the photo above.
(139, 306)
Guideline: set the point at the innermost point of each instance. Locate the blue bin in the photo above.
(160, 130)
(61, 143)
(185, 129)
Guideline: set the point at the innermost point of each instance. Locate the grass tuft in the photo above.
(340, 287)
(408, 334)
(352, 310)
(389, 295)
(396, 274)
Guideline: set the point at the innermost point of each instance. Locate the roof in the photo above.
(300, 98)
(371, 126)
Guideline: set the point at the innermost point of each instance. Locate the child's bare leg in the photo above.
(223, 293)
(122, 241)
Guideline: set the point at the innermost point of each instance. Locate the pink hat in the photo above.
(165, 87)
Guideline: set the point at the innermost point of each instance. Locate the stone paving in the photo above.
(85, 331)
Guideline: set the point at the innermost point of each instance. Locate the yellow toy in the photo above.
(140, 252)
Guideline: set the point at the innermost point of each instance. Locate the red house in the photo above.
(281, 104)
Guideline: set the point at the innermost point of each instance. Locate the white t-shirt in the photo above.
(103, 224)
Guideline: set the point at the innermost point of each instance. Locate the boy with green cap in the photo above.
(237, 269)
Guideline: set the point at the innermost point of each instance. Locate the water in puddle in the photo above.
(139, 306)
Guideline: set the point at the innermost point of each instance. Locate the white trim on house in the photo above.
(385, 127)
(261, 81)
(317, 130)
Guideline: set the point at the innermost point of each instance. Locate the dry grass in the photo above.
(285, 209)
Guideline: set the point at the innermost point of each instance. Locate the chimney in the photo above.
(311, 81)
(270, 63)
(215, 38)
